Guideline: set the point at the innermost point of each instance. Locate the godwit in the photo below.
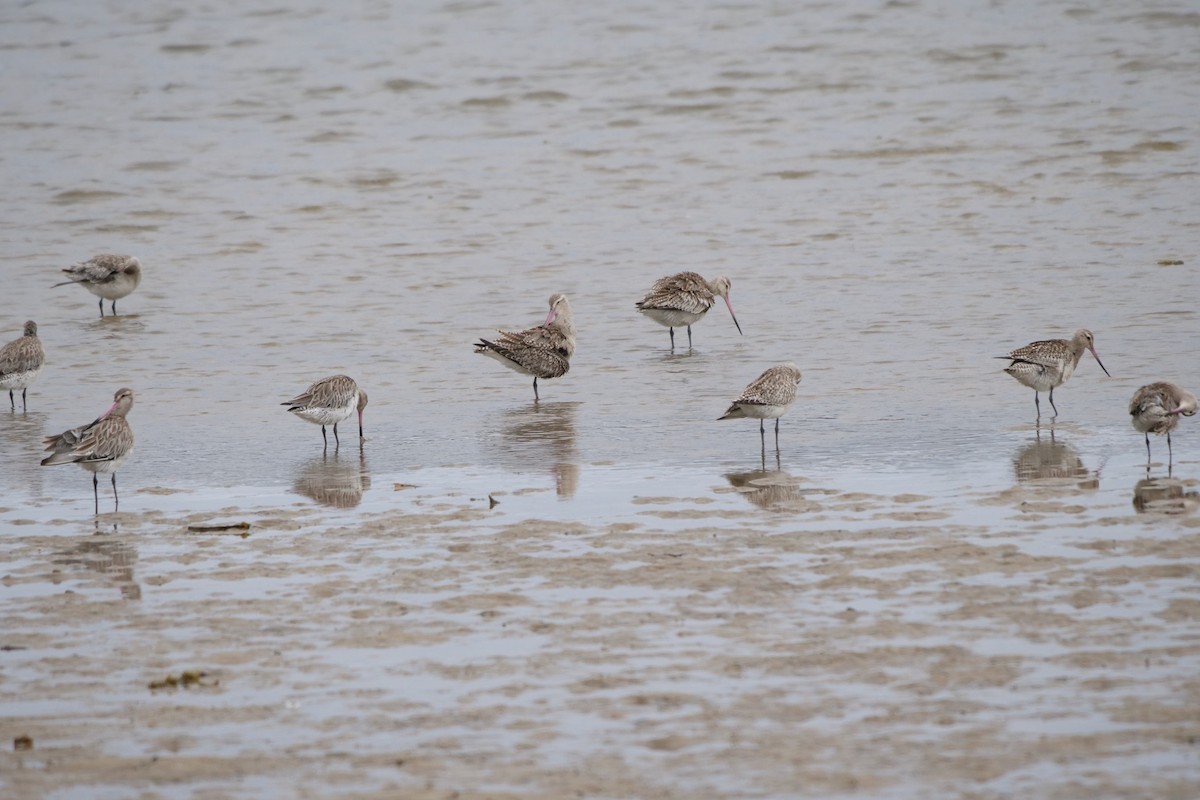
(1156, 408)
(544, 351)
(108, 277)
(1044, 365)
(20, 362)
(767, 397)
(99, 446)
(683, 299)
(328, 402)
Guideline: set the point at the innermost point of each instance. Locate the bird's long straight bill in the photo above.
(732, 317)
(1101, 363)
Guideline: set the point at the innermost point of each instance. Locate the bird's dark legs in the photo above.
(96, 493)
(672, 330)
(24, 406)
(1170, 455)
(1038, 405)
(114, 307)
(101, 308)
(336, 440)
(1052, 402)
(777, 434)
(689, 337)
(324, 437)
(535, 394)
(116, 499)
(11, 400)
(1147, 450)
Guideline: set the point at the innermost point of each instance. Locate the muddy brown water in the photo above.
(923, 595)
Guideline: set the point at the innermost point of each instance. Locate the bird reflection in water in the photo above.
(113, 560)
(773, 490)
(1048, 459)
(336, 480)
(1164, 496)
(543, 436)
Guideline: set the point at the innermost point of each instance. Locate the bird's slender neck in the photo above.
(563, 323)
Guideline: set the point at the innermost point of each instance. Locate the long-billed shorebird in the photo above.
(330, 401)
(20, 362)
(767, 397)
(543, 352)
(1044, 365)
(100, 446)
(679, 300)
(108, 277)
(1156, 408)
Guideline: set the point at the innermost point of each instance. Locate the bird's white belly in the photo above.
(19, 380)
(327, 416)
(1038, 377)
(114, 289)
(106, 467)
(756, 411)
(670, 317)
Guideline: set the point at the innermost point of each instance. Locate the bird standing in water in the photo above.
(1156, 408)
(767, 397)
(543, 352)
(102, 445)
(683, 299)
(330, 401)
(1044, 365)
(108, 277)
(21, 362)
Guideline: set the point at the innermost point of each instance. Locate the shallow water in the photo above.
(653, 606)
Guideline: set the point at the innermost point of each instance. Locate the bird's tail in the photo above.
(734, 412)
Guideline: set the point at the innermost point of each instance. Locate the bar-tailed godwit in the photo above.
(682, 299)
(1156, 408)
(1044, 365)
(20, 362)
(767, 397)
(100, 446)
(108, 277)
(330, 401)
(543, 352)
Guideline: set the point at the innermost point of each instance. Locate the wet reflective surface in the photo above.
(608, 593)
(336, 480)
(1165, 495)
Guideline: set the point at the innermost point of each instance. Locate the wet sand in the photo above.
(828, 643)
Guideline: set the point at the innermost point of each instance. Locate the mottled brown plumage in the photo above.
(684, 298)
(1156, 408)
(21, 362)
(767, 397)
(330, 401)
(109, 277)
(544, 351)
(102, 445)
(1046, 364)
